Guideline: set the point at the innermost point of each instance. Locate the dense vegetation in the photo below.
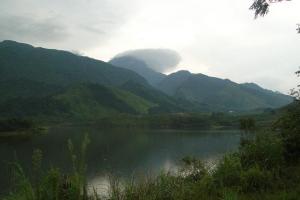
(24, 62)
(51, 84)
(172, 121)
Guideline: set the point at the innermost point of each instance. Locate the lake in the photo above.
(121, 153)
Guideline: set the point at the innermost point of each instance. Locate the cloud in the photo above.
(30, 29)
(64, 24)
(160, 60)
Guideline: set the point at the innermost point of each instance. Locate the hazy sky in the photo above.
(218, 38)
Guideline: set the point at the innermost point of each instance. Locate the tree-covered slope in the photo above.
(45, 82)
(80, 101)
(220, 94)
(164, 102)
(37, 82)
(23, 61)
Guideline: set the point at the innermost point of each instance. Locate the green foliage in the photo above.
(193, 169)
(247, 124)
(228, 172)
(265, 150)
(165, 121)
(57, 67)
(289, 127)
(255, 179)
(52, 184)
(80, 101)
(53, 84)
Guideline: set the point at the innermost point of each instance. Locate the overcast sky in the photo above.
(215, 37)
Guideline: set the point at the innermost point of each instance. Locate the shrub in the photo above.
(228, 172)
(265, 150)
(256, 180)
(289, 126)
(193, 169)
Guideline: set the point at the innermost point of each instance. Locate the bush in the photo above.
(255, 180)
(193, 169)
(265, 150)
(289, 126)
(228, 172)
(247, 124)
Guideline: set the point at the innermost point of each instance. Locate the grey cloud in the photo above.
(76, 24)
(31, 29)
(94, 29)
(160, 60)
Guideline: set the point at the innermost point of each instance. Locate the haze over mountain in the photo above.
(209, 92)
(222, 94)
(139, 67)
(159, 60)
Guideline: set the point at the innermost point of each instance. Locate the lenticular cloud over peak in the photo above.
(160, 60)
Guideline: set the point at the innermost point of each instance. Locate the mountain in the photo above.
(23, 61)
(40, 82)
(139, 67)
(220, 94)
(49, 83)
(80, 101)
(164, 102)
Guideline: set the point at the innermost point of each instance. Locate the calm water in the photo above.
(122, 153)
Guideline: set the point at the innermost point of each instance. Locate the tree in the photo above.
(247, 124)
(261, 7)
(295, 92)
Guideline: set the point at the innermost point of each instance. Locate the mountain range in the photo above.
(48, 82)
(39, 82)
(212, 93)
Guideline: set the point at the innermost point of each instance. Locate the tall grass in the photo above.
(52, 184)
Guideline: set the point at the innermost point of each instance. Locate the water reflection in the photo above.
(122, 153)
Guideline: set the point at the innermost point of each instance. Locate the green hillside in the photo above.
(45, 83)
(23, 61)
(80, 101)
(220, 94)
(164, 102)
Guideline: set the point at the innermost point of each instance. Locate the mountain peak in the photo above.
(139, 66)
(13, 43)
(183, 72)
(252, 86)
